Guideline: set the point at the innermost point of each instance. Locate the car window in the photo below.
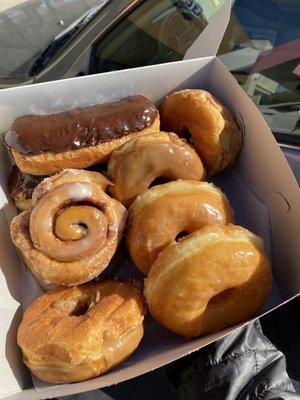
(261, 47)
(295, 107)
(282, 108)
(155, 32)
(28, 27)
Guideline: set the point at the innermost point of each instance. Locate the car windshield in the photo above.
(27, 27)
(261, 47)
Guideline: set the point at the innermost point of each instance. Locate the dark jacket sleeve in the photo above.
(245, 365)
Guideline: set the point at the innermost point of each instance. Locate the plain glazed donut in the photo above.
(134, 166)
(73, 231)
(74, 334)
(214, 131)
(159, 215)
(213, 278)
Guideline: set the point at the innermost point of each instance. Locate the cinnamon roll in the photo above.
(73, 230)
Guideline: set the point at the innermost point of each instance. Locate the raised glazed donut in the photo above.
(78, 138)
(213, 278)
(159, 215)
(72, 232)
(74, 334)
(135, 165)
(214, 131)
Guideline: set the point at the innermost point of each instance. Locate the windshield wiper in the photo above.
(63, 37)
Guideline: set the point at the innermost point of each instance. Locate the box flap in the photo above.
(13, 375)
(271, 183)
(208, 42)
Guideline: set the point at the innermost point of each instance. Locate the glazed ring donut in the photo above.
(73, 231)
(135, 165)
(74, 334)
(214, 131)
(213, 278)
(158, 216)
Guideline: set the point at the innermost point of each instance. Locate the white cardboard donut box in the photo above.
(261, 188)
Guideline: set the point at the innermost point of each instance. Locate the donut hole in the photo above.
(186, 134)
(77, 305)
(181, 235)
(159, 181)
(221, 298)
(82, 225)
(80, 308)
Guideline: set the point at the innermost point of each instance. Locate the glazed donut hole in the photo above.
(78, 305)
(159, 181)
(220, 298)
(180, 235)
(185, 134)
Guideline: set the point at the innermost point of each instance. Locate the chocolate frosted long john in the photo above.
(83, 127)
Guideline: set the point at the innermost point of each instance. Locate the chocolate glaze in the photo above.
(19, 182)
(70, 130)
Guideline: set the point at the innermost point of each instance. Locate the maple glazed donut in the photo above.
(213, 278)
(78, 138)
(73, 230)
(158, 216)
(215, 133)
(135, 165)
(74, 334)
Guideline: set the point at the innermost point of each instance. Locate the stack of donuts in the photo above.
(85, 178)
